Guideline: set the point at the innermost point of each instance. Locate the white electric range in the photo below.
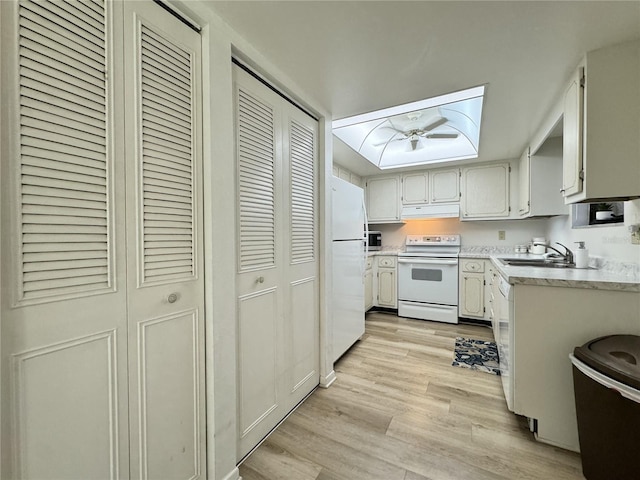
(428, 278)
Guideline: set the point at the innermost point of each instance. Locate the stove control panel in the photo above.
(444, 240)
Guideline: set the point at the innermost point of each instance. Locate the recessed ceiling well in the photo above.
(439, 129)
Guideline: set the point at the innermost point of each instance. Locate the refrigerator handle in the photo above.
(366, 238)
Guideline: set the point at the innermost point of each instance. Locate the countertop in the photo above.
(600, 278)
(604, 274)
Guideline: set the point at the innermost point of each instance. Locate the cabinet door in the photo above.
(524, 202)
(387, 287)
(572, 136)
(472, 295)
(383, 199)
(368, 289)
(445, 186)
(485, 191)
(415, 188)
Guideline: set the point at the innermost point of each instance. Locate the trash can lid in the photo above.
(617, 356)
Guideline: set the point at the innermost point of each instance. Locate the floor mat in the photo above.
(476, 355)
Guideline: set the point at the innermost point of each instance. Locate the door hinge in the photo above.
(484, 282)
(460, 194)
(484, 309)
(509, 209)
(509, 168)
(581, 175)
(583, 79)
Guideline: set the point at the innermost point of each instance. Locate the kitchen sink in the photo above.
(535, 262)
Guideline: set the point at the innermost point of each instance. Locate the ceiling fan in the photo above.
(414, 134)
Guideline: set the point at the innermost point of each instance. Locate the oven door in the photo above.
(428, 280)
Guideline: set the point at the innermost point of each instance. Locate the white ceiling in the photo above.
(355, 57)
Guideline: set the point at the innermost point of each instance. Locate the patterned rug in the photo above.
(476, 355)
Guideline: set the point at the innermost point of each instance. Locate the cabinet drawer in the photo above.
(369, 263)
(476, 266)
(386, 261)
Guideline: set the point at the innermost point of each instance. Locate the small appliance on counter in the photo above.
(539, 245)
(374, 241)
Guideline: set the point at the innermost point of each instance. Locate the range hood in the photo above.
(424, 211)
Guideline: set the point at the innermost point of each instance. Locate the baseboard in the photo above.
(475, 321)
(233, 475)
(326, 381)
(382, 310)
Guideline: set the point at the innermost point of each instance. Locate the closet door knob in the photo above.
(172, 298)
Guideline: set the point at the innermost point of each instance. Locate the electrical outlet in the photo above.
(501, 235)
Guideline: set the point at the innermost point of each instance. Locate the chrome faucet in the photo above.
(567, 255)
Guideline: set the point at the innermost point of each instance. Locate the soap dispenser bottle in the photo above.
(581, 256)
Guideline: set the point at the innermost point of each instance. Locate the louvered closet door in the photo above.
(278, 334)
(164, 244)
(302, 330)
(64, 387)
(259, 262)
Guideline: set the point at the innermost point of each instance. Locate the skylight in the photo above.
(434, 130)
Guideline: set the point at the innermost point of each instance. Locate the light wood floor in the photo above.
(400, 411)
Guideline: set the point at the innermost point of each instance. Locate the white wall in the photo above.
(473, 233)
(610, 242)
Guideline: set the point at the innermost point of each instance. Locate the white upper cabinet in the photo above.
(601, 154)
(572, 138)
(415, 188)
(445, 186)
(485, 191)
(540, 179)
(524, 201)
(383, 199)
(432, 186)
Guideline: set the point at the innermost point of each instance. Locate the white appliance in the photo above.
(503, 333)
(349, 220)
(428, 278)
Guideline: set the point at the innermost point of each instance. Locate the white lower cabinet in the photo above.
(387, 296)
(381, 282)
(554, 320)
(368, 284)
(473, 289)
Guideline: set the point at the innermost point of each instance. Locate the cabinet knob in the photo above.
(260, 280)
(172, 298)
(562, 191)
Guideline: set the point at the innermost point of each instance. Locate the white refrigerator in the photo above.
(349, 221)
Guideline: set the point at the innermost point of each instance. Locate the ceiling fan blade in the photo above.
(435, 124)
(392, 128)
(441, 135)
(388, 141)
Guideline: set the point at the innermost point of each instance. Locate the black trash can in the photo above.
(606, 380)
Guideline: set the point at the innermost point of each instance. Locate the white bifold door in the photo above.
(278, 330)
(102, 278)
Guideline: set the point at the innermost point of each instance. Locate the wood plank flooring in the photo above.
(400, 411)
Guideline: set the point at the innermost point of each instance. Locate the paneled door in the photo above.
(278, 331)
(165, 282)
(64, 315)
(102, 316)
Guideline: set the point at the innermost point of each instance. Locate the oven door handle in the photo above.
(424, 261)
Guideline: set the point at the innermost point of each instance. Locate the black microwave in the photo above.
(374, 241)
